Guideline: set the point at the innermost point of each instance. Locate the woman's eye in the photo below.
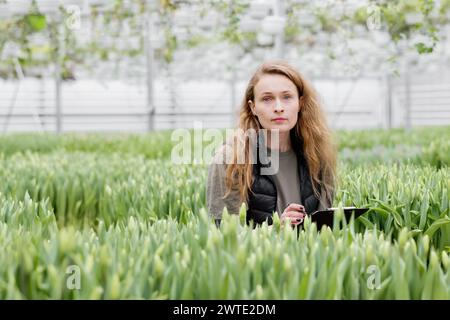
(267, 98)
(287, 97)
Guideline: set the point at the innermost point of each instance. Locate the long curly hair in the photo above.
(318, 149)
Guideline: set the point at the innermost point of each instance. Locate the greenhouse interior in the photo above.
(113, 114)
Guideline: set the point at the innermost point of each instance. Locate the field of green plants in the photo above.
(97, 216)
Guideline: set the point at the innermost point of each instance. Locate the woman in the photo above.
(290, 125)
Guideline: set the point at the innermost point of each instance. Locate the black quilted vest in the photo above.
(263, 201)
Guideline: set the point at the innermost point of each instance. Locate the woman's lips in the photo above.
(279, 119)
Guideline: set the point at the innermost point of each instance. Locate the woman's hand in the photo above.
(295, 212)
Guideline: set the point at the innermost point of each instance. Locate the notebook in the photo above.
(325, 217)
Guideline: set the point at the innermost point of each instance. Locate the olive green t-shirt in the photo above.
(287, 180)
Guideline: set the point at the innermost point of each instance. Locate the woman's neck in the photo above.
(284, 141)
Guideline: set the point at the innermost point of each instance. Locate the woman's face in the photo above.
(276, 102)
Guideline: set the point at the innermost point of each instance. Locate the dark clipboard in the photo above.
(325, 217)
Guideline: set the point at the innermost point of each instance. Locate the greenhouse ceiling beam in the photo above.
(279, 45)
(149, 61)
(20, 77)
